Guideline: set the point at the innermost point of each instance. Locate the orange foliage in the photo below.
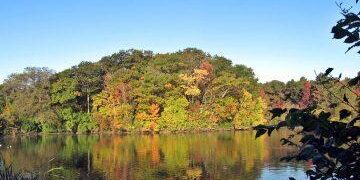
(279, 104)
(205, 65)
(155, 151)
(168, 85)
(152, 125)
(142, 116)
(262, 93)
(154, 111)
(116, 124)
(121, 92)
(153, 114)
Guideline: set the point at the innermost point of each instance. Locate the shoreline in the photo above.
(124, 133)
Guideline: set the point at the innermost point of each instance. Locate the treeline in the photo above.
(325, 93)
(137, 90)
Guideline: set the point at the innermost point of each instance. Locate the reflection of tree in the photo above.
(30, 149)
(215, 156)
(207, 155)
(39, 154)
(277, 151)
(229, 156)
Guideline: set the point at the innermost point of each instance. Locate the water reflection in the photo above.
(225, 155)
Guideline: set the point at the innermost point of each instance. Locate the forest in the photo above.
(140, 91)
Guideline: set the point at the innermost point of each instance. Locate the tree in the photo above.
(111, 106)
(225, 109)
(131, 90)
(124, 59)
(2, 108)
(2, 99)
(150, 117)
(250, 112)
(72, 91)
(89, 81)
(64, 91)
(27, 100)
(305, 99)
(174, 117)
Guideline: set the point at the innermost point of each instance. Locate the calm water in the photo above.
(225, 155)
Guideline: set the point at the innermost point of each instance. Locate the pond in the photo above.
(215, 155)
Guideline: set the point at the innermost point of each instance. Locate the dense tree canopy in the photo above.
(27, 101)
(137, 90)
(134, 90)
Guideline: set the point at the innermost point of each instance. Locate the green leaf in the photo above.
(344, 114)
(354, 81)
(339, 32)
(324, 115)
(310, 172)
(353, 37)
(277, 112)
(260, 132)
(328, 71)
(281, 124)
(307, 152)
(270, 130)
(285, 141)
(345, 99)
(339, 76)
(293, 110)
(306, 138)
(333, 105)
(353, 121)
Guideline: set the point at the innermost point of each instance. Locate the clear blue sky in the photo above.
(279, 39)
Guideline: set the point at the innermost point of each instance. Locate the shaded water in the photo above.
(217, 155)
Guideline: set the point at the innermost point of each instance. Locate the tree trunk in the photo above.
(224, 93)
(88, 104)
(123, 95)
